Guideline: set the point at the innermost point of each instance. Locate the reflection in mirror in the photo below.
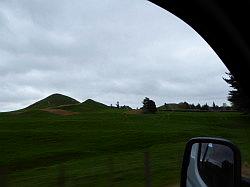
(210, 165)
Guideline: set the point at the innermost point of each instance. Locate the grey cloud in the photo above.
(109, 50)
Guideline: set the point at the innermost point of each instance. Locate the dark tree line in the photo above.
(187, 106)
(240, 101)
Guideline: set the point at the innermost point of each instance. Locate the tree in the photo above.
(237, 97)
(148, 106)
(117, 104)
(165, 106)
(125, 107)
(215, 107)
(192, 106)
(198, 106)
(205, 107)
(184, 105)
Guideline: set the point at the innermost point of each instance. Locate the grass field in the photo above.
(106, 147)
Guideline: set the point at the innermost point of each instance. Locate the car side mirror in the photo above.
(210, 162)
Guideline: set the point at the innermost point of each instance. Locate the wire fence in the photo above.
(61, 179)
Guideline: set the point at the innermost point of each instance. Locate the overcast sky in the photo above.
(107, 50)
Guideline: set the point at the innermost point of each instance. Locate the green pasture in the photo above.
(106, 147)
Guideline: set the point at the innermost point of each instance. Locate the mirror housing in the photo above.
(195, 152)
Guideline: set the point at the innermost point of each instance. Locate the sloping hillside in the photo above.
(53, 101)
(88, 105)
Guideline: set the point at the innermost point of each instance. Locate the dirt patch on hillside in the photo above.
(246, 170)
(60, 112)
(134, 112)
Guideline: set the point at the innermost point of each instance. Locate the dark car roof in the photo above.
(224, 25)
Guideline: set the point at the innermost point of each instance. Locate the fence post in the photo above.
(3, 176)
(147, 170)
(61, 176)
(111, 172)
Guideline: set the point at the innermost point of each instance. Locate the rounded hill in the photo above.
(52, 101)
(86, 106)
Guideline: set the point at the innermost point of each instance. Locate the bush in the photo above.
(148, 106)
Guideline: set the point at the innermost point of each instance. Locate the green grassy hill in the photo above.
(86, 106)
(106, 148)
(53, 101)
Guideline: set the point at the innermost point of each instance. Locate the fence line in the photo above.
(61, 178)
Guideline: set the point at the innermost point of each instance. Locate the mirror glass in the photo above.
(210, 165)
